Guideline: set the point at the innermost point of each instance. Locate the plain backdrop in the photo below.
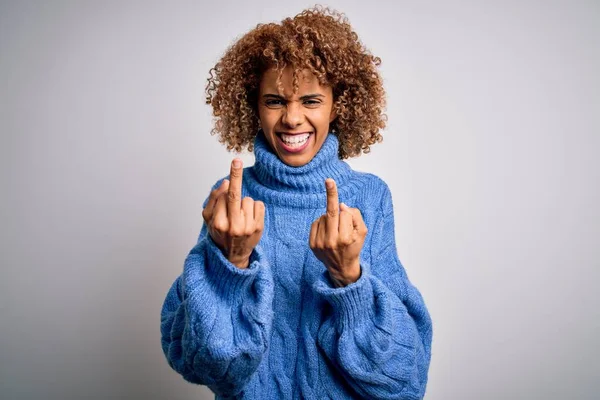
(491, 153)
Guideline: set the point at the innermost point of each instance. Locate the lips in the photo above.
(294, 142)
(294, 138)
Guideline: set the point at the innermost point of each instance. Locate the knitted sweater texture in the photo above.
(279, 329)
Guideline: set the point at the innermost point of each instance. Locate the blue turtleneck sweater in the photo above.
(279, 329)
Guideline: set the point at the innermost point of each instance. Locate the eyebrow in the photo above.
(305, 97)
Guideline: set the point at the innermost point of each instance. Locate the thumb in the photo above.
(356, 220)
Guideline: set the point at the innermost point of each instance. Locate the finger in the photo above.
(346, 225)
(357, 221)
(332, 198)
(212, 200)
(348, 210)
(332, 208)
(248, 211)
(312, 237)
(324, 238)
(234, 194)
(259, 214)
(220, 221)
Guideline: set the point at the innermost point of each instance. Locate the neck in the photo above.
(304, 185)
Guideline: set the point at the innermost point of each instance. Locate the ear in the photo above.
(332, 115)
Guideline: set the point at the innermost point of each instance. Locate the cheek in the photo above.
(323, 120)
(268, 118)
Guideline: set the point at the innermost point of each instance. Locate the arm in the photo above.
(379, 332)
(216, 318)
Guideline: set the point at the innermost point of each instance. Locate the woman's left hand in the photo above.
(337, 238)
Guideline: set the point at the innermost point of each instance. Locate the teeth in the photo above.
(295, 140)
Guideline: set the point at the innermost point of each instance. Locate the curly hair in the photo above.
(317, 39)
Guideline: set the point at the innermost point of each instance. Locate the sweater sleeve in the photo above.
(378, 333)
(216, 318)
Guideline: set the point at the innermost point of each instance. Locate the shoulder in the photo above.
(373, 184)
(374, 194)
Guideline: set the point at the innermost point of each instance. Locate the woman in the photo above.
(294, 288)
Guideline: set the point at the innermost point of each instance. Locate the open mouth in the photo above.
(294, 142)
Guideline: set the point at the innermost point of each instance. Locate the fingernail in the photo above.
(329, 184)
(237, 163)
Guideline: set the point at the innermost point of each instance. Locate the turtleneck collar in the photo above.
(302, 186)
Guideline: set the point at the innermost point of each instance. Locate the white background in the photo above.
(491, 153)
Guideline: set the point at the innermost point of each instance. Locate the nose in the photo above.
(293, 115)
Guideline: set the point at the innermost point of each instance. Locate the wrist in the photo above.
(350, 276)
(238, 257)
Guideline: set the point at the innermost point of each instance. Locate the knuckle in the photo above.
(236, 231)
(233, 196)
(330, 244)
(219, 225)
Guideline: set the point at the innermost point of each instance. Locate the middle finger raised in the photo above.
(333, 208)
(234, 194)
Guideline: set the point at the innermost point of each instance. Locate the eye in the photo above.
(273, 102)
(312, 102)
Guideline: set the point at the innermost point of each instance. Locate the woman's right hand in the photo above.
(234, 224)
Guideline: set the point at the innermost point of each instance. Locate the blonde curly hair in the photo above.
(320, 40)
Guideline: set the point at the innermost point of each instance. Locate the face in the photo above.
(295, 124)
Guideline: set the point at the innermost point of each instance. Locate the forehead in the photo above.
(307, 81)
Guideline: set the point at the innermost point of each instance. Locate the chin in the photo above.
(294, 161)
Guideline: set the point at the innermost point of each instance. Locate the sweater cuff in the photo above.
(351, 304)
(229, 280)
